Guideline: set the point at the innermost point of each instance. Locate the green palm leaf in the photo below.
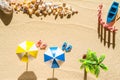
(103, 67)
(97, 71)
(82, 60)
(87, 68)
(91, 68)
(94, 57)
(82, 66)
(93, 64)
(102, 57)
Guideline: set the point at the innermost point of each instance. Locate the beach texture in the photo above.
(80, 31)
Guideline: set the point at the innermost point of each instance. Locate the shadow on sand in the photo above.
(28, 75)
(5, 18)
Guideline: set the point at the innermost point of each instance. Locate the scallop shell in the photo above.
(30, 11)
(37, 12)
(44, 12)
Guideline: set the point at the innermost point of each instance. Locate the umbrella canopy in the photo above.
(54, 56)
(26, 51)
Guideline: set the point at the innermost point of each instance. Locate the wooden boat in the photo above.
(112, 12)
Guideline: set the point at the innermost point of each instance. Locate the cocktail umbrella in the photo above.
(54, 56)
(26, 51)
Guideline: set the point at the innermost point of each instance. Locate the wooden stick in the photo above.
(53, 74)
(27, 66)
(27, 63)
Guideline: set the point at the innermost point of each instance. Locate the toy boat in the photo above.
(112, 12)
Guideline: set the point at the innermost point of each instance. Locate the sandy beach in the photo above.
(80, 31)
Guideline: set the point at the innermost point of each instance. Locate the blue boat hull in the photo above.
(112, 12)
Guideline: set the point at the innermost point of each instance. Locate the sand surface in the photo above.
(80, 31)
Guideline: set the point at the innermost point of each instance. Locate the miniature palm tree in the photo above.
(90, 63)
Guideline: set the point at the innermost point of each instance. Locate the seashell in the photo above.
(30, 12)
(25, 10)
(69, 12)
(33, 1)
(66, 8)
(37, 12)
(40, 7)
(43, 5)
(30, 5)
(54, 11)
(73, 11)
(47, 8)
(64, 4)
(40, 14)
(60, 8)
(19, 8)
(15, 7)
(55, 6)
(48, 3)
(44, 12)
(38, 1)
(61, 14)
(65, 13)
(49, 11)
(69, 16)
(76, 12)
(36, 5)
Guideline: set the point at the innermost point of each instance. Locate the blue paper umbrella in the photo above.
(54, 56)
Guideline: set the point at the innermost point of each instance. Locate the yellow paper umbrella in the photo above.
(26, 51)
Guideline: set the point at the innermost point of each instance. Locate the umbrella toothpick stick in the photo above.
(53, 74)
(26, 63)
(27, 66)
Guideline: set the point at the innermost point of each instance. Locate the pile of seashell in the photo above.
(40, 8)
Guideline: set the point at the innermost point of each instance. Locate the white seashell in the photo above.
(40, 6)
(56, 13)
(47, 8)
(48, 3)
(49, 11)
(40, 14)
(70, 12)
(43, 5)
(55, 6)
(30, 11)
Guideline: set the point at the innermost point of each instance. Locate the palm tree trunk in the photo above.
(85, 74)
